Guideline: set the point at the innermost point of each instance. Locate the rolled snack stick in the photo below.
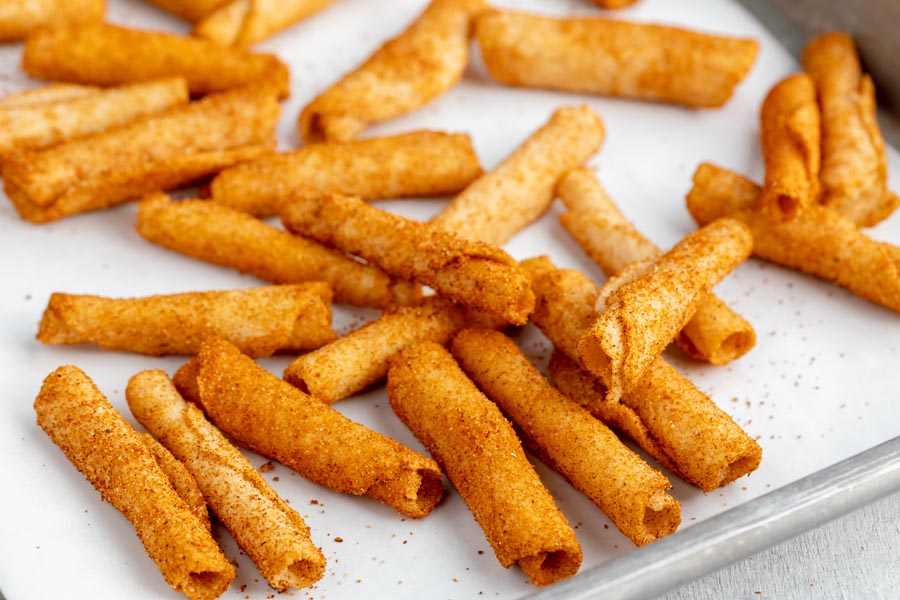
(19, 18)
(613, 4)
(790, 137)
(270, 416)
(820, 242)
(419, 163)
(708, 449)
(157, 152)
(474, 274)
(404, 74)
(114, 458)
(641, 310)
(854, 168)
(481, 455)
(259, 320)
(184, 483)
(242, 23)
(613, 58)
(189, 10)
(103, 54)
(39, 124)
(518, 191)
(568, 438)
(47, 94)
(272, 534)
(224, 236)
(715, 334)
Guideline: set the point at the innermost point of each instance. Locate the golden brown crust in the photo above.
(190, 10)
(613, 4)
(242, 23)
(19, 18)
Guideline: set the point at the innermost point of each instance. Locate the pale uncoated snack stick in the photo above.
(18, 18)
(715, 334)
(103, 54)
(854, 168)
(791, 146)
(641, 310)
(242, 23)
(667, 415)
(419, 163)
(404, 74)
(182, 480)
(272, 534)
(520, 189)
(820, 242)
(39, 124)
(260, 321)
(614, 58)
(220, 235)
(114, 458)
(481, 455)
(270, 416)
(474, 274)
(565, 435)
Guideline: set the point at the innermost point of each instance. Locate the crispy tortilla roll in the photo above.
(114, 458)
(190, 10)
(568, 438)
(223, 236)
(242, 23)
(103, 54)
(272, 417)
(474, 274)
(613, 4)
(484, 460)
(613, 58)
(37, 124)
(715, 334)
(162, 151)
(259, 321)
(820, 242)
(499, 204)
(18, 18)
(790, 137)
(707, 448)
(854, 168)
(420, 163)
(182, 480)
(272, 534)
(404, 74)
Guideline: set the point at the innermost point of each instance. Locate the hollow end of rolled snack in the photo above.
(737, 468)
(662, 515)
(732, 347)
(413, 494)
(783, 207)
(546, 568)
(207, 585)
(301, 572)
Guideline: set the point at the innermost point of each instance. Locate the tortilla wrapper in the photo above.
(499, 204)
(270, 416)
(18, 18)
(103, 54)
(184, 483)
(420, 163)
(474, 274)
(613, 58)
(259, 321)
(820, 242)
(715, 334)
(791, 145)
(242, 23)
(223, 236)
(613, 4)
(404, 74)
(115, 459)
(708, 450)
(568, 438)
(47, 94)
(481, 455)
(189, 10)
(269, 531)
(854, 168)
(38, 124)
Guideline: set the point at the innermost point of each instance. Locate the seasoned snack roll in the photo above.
(484, 460)
(19, 18)
(242, 23)
(103, 54)
(568, 438)
(820, 242)
(47, 94)
(259, 321)
(715, 334)
(613, 58)
(708, 449)
(419, 163)
(272, 534)
(854, 168)
(38, 123)
(223, 236)
(184, 483)
(519, 190)
(114, 458)
(272, 417)
(190, 10)
(404, 74)
(477, 275)
(613, 4)
(791, 146)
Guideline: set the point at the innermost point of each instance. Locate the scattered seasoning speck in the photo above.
(266, 467)
(339, 540)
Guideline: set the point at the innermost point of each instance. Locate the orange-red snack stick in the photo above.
(18, 18)
(242, 23)
(190, 10)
